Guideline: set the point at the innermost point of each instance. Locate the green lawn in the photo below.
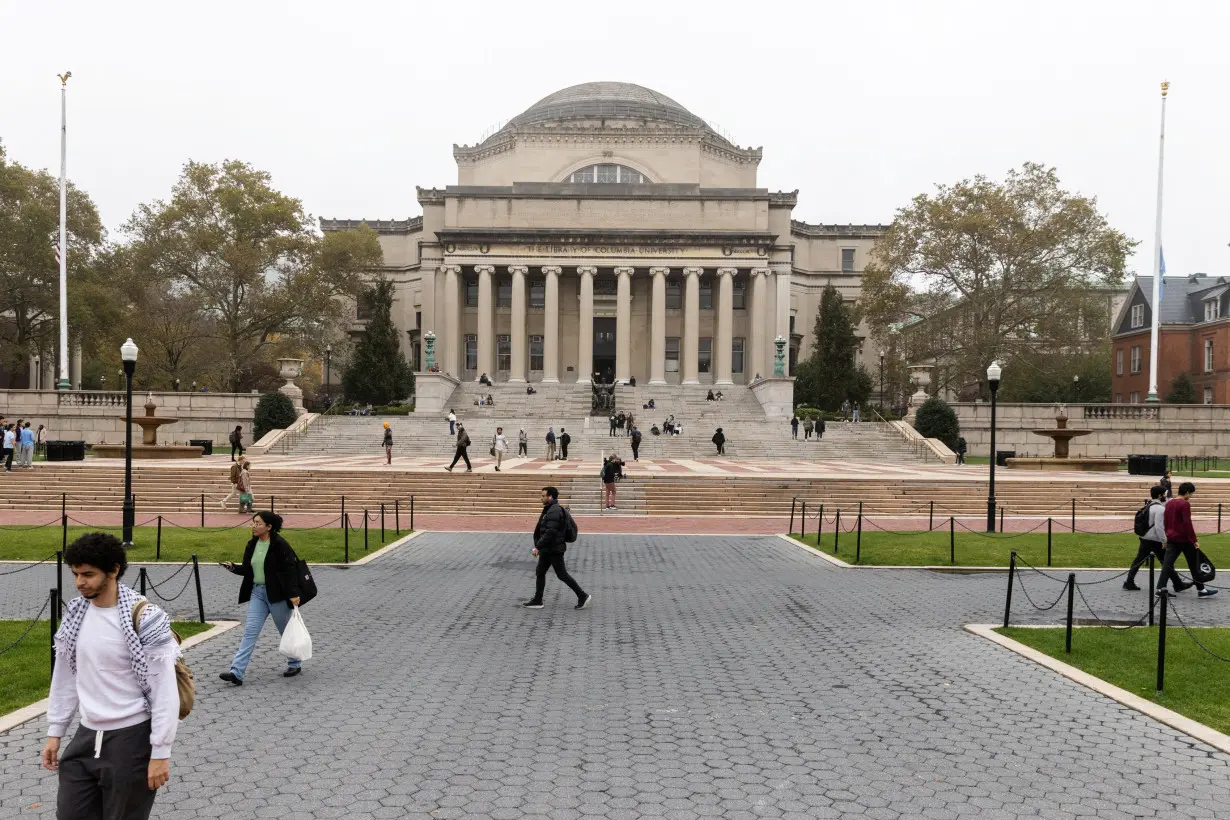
(985, 550)
(25, 670)
(210, 544)
(1196, 684)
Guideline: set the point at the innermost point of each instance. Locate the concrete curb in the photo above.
(837, 562)
(28, 713)
(939, 567)
(372, 556)
(1173, 719)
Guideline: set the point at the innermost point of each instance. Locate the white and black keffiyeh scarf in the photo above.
(154, 643)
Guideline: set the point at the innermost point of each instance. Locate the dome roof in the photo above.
(608, 99)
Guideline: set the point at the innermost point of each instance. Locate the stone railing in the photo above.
(1131, 412)
(92, 398)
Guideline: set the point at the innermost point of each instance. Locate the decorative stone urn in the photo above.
(920, 376)
(291, 369)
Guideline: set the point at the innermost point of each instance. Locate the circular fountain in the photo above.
(1062, 435)
(149, 448)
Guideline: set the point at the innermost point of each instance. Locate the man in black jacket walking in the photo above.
(549, 547)
(564, 441)
(463, 442)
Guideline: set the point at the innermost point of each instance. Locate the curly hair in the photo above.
(98, 549)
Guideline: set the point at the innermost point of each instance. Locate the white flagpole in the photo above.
(1152, 398)
(64, 383)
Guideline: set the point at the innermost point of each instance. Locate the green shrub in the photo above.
(936, 419)
(274, 411)
(394, 409)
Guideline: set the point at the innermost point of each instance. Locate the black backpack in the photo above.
(570, 527)
(1141, 524)
(1204, 571)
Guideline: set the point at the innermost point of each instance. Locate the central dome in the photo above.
(608, 100)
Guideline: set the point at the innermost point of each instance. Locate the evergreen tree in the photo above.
(1182, 391)
(936, 419)
(274, 411)
(378, 372)
(829, 375)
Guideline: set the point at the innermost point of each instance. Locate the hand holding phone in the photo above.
(228, 565)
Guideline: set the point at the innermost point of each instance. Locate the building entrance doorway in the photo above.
(604, 348)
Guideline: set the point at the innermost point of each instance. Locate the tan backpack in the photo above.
(183, 675)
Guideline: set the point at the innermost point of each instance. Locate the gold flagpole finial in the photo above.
(64, 77)
(1165, 87)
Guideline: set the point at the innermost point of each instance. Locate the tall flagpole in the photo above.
(1152, 398)
(64, 383)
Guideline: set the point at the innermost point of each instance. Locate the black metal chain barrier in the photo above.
(1104, 532)
(1186, 629)
(154, 587)
(999, 536)
(1021, 560)
(28, 566)
(868, 522)
(30, 628)
(182, 567)
(328, 523)
(1114, 577)
(54, 523)
(1052, 605)
(1138, 622)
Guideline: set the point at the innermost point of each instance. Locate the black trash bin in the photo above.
(206, 445)
(1141, 464)
(1002, 456)
(74, 451)
(55, 451)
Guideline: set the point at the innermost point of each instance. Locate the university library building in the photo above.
(608, 230)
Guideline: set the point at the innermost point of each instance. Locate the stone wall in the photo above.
(1118, 429)
(97, 417)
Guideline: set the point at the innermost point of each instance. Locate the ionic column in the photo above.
(783, 303)
(657, 327)
(623, 324)
(35, 372)
(520, 340)
(691, 324)
(451, 332)
(725, 325)
(585, 334)
(428, 299)
(550, 331)
(756, 345)
(486, 321)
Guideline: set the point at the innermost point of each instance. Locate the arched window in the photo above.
(608, 172)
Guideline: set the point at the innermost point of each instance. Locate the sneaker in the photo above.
(450, 469)
(588, 600)
(1131, 586)
(230, 677)
(1207, 592)
(1183, 587)
(532, 605)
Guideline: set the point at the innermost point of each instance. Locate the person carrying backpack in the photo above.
(236, 439)
(636, 444)
(1181, 539)
(552, 534)
(1150, 525)
(463, 445)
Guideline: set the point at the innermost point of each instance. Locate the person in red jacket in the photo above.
(1181, 538)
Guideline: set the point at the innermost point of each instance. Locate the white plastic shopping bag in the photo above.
(296, 642)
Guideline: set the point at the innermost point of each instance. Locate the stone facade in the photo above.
(608, 229)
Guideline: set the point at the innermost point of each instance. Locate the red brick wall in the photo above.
(1180, 349)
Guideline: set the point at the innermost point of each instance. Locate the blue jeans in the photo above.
(259, 609)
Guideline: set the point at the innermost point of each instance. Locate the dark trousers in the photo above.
(612, 429)
(113, 786)
(554, 560)
(6, 455)
(636, 451)
(523, 449)
(721, 449)
(1173, 549)
(461, 454)
(563, 451)
(1142, 554)
(235, 447)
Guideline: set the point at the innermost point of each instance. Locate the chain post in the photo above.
(1152, 598)
(1011, 580)
(1067, 641)
(837, 530)
(803, 525)
(1164, 604)
(952, 539)
(200, 599)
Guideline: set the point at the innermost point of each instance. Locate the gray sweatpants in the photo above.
(112, 786)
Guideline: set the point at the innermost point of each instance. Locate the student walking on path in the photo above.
(564, 441)
(1181, 538)
(387, 444)
(452, 423)
(609, 469)
(636, 444)
(119, 673)
(819, 428)
(523, 444)
(270, 587)
(233, 476)
(10, 443)
(499, 446)
(550, 544)
(794, 426)
(1153, 538)
(244, 486)
(237, 441)
(463, 443)
(550, 444)
(808, 426)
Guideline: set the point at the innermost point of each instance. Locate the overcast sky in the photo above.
(858, 105)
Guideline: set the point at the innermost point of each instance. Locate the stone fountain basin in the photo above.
(1084, 465)
(148, 451)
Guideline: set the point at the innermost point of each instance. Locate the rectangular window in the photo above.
(1135, 358)
(706, 295)
(418, 319)
(704, 356)
(503, 352)
(1208, 395)
(1210, 310)
(1208, 355)
(847, 260)
(672, 354)
(792, 324)
(1138, 316)
(471, 293)
(504, 294)
(535, 353)
(1134, 398)
(1119, 362)
(538, 293)
(1118, 398)
(736, 355)
(471, 352)
(607, 173)
(739, 295)
(674, 294)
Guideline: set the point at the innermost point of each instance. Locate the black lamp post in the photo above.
(1076, 389)
(177, 385)
(328, 389)
(881, 381)
(128, 352)
(993, 374)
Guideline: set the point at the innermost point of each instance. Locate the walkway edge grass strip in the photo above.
(27, 713)
(935, 567)
(1173, 719)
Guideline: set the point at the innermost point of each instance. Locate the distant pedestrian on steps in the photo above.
(564, 441)
(499, 446)
(794, 427)
(808, 426)
(550, 444)
(388, 444)
(636, 444)
(463, 442)
(523, 444)
(819, 428)
(720, 440)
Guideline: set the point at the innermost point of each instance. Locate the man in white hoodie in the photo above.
(1154, 539)
(122, 679)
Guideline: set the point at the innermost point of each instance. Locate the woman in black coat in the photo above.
(719, 438)
(270, 587)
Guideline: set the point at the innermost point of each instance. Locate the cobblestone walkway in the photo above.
(714, 677)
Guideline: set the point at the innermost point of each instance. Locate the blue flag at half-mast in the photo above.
(1161, 285)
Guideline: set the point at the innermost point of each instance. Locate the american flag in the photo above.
(55, 248)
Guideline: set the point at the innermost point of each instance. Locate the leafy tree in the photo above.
(935, 419)
(828, 376)
(1001, 269)
(274, 411)
(252, 261)
(1048, 377)
(378, 373)
(1182, 391)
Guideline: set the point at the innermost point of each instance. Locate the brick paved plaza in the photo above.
(714, 677)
